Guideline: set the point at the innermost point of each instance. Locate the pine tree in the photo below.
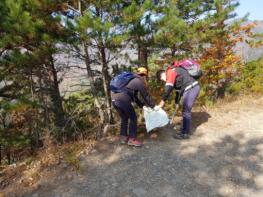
(139, 20)
(181, 29)
(219, 59)
(30, 40)
(102, 37)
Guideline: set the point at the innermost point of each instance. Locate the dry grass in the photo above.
(234, 101)
(47, 161)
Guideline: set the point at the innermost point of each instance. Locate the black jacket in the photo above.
(135, 88)
(181, 81)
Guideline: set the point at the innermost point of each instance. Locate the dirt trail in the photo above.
(224, 157)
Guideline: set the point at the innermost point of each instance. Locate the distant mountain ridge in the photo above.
(245, 51)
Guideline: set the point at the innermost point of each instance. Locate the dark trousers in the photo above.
(126, 112)
(188, 101)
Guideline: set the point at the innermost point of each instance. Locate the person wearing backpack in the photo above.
(181, 76)
(125, 89)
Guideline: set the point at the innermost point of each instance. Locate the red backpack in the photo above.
(192, 67)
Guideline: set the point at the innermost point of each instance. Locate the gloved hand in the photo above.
(148, 109)
(157, 108)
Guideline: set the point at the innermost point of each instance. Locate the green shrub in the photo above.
(251, 79)
(235, 88)
(81, 114)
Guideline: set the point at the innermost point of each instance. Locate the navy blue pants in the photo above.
(188, 101)
(126, 112)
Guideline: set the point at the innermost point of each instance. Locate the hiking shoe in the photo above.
(124, 139)
(181, 136)
(134, 142)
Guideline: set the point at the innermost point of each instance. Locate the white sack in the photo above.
(154, 118)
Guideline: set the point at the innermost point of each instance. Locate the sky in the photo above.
(253, 7)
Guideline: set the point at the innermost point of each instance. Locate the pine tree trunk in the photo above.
(221, 52)
(34, 124)
(173, 50)
(143, 55)
(55, 97)
(92, 87)
(8, 155)
(105, 75)
(106, 81)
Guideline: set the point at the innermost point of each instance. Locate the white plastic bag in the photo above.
(154, 118)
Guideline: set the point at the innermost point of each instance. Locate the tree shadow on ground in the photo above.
(199, 118)
(229, 166)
